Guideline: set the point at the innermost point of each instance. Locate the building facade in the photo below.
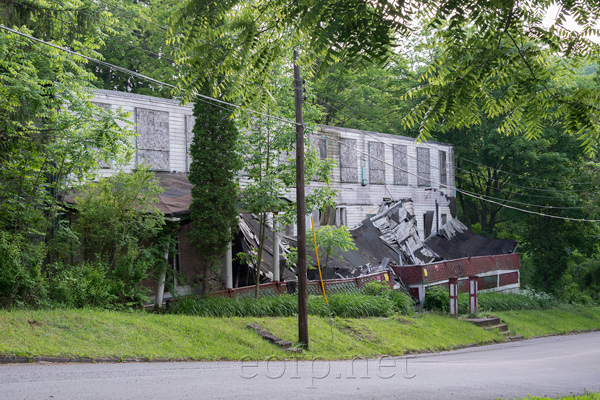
(370, 167)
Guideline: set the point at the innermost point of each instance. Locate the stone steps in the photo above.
(495, 323)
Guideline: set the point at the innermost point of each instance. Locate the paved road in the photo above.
(543, 367)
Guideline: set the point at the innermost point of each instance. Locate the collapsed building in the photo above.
(394, 194)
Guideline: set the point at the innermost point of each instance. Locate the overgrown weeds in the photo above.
(437, 300)
(346, 305)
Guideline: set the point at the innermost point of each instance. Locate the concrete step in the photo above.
(500, 327)
(484, 321)
(514, 338)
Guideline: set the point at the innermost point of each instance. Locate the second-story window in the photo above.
(348, 161)
(153, 138)
(423, 167)
(400, 165)
(322, 143)
(376, 162)
(443, 174)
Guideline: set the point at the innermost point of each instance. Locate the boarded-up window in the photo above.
(322, 143)
(189, 136)
(376, 162)
(153, 138)
(423, 167)
(443, 174)
(400, 165)
(348, 161)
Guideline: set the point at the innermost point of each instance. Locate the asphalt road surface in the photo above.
(551, 366)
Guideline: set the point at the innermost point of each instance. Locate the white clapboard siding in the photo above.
(359, 198)
(177, 130)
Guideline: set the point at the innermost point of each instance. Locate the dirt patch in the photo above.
(360, 334)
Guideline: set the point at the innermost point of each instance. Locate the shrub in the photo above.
(81, 285)
(401, 302)
(437, 299)
(345, 305)
(21, 280)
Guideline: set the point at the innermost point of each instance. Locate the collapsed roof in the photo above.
(391, 236)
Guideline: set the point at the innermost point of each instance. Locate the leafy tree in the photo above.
(137, 41)
(268, 152)
(332, 242)
(51, 135)
(215, 162)
(119, 226)
(496, 59)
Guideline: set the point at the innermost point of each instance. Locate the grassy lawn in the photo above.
(587, 396)
(108, 334)
(101, 334)
(551, 322)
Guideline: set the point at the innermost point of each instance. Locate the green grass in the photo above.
(99, 334)
(586, 396)
(347, 305)
(111, 334)
(531, 323)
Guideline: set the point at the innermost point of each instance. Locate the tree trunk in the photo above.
(207, 275)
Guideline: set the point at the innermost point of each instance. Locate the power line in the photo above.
(462, 169)
(137, 74)
(477, 196)
(426, 144)
(287, 121)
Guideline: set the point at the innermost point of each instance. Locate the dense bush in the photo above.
(345, 305)
(401, 302)
(437, 299)
(21, 280)
(81, 285)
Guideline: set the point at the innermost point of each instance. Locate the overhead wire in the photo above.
(133, 73)
(469, 171)
(477, 196)
(103, 22)
(462, 158)
(142, 76)
(109, 37)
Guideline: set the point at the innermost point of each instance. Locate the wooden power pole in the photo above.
(301, 214)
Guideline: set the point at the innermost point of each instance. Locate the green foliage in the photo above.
(436, 299)
(49, 131)
(402, 302)
(375, 288)
(332, 242)
(21, 279)
(117, 223)
(345, 305)
(215, 162)
(83, 285)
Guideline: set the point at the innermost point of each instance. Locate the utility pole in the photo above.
(300, 206)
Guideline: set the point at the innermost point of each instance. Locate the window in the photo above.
(400, 164)
(153, 138)
(348, 161)
(444, 219)
(443, 174)
(341, 216)
(376, 162)
(423, 167)
(322, 143)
